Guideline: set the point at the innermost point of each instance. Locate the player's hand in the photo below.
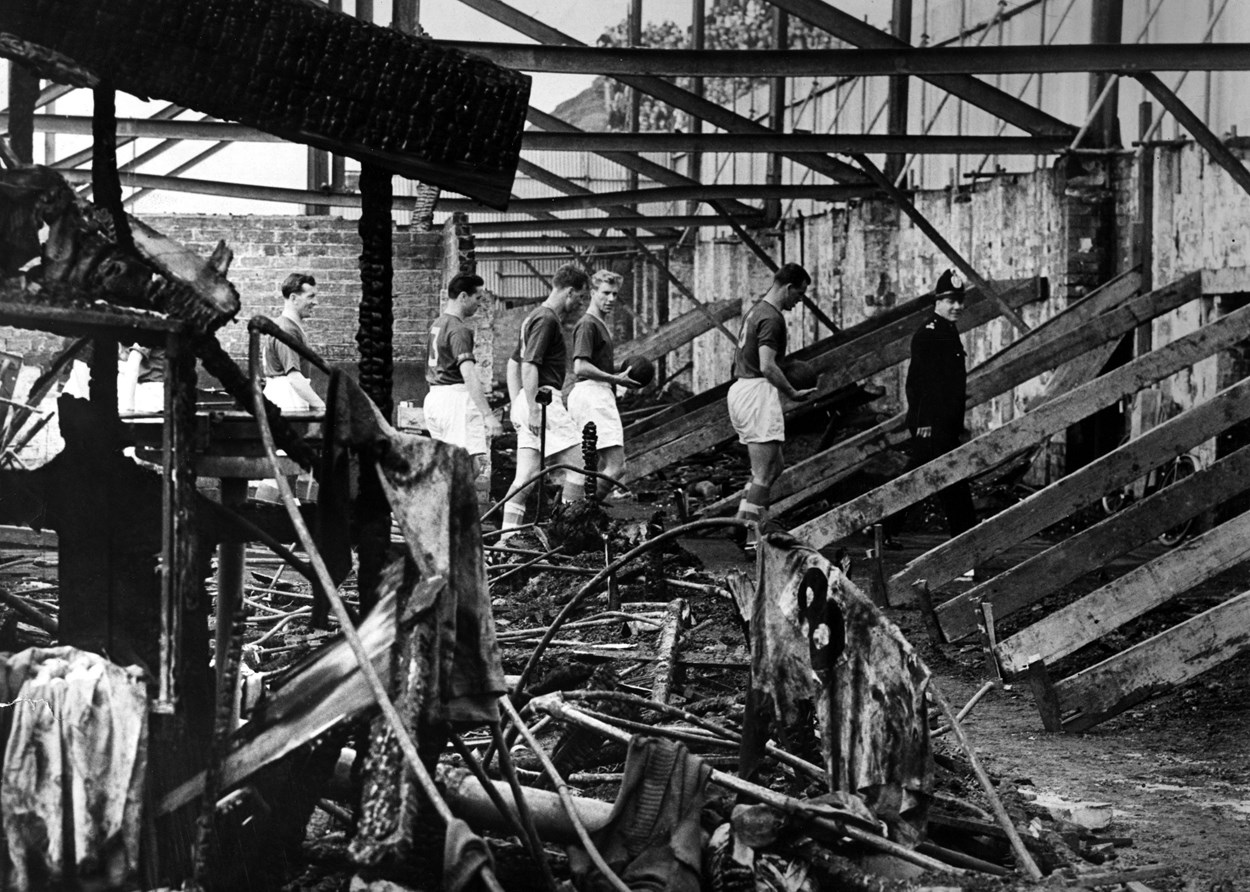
(494, 427)
(805, 394)
(535, 423)
(925, 432)
(625, 381)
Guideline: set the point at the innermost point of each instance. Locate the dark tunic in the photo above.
(764, 326)
(593, 342)
(937, 379)
(451, 343)
(278, 358)
(542, 342)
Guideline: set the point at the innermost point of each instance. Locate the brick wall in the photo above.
(267, 249)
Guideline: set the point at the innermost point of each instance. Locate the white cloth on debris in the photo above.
(74, 768)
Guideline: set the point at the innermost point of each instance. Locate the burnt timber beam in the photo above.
(609, 222)
(1197, 129)
(914, 61)
(1168, 659)
(982, 95)
(661, 89)
(1118, 468)
(1143, 588)
(922, 223)
(984, 452)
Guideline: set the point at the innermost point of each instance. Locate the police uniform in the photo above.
(754, 402)
(595, 401)
(541, 342)
(279, 360)
(937, 389)
(450, 413)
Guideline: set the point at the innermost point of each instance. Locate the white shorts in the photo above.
(561, 431)
(755, 410)
(278, 390)
(453, 417)
(596, 401)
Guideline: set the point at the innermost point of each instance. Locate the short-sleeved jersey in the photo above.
(764, 326)
(542, 342)
(278, 358)
(593, 342)
(451, 343)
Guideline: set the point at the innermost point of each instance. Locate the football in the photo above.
(801, 375)
(641, 370)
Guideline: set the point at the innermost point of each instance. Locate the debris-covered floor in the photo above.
(1152, 799)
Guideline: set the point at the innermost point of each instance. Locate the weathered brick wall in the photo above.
(267, 249)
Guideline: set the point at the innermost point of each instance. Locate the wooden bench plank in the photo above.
(982, 453)
(1032, 580)
(1057, 501)
(1168, 659)
(1069, 629)
(678, 332)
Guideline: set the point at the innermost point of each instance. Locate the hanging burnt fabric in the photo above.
(820, 648)
(445, 664)
(303, 72)
(653, 840)
(75, 759)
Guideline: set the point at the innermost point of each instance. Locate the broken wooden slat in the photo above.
(1033, 579)
(1162, 662)
(1124, 599)
(1057, 501)
(682, 330)
(985, 450)
(666, 666)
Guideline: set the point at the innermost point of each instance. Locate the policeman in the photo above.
(754, 399)
(937, 388)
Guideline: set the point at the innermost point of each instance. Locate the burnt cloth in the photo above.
(859, 678)
(431, 491)
(654, 840)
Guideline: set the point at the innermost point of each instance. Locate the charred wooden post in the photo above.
(666, 650)
(590, 458)
(23, 95)
(375, 339)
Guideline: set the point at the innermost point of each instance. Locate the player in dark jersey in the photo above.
(593, 397)
(539, 363)
(287, 373)
(755, 397)
(456, 410)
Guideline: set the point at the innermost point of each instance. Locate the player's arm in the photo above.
(771, 371)
(468, 370)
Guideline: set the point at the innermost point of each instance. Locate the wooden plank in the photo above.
(841, 364)
(1121, 600)
(984, 451)
(1057, 501)
(1011, 366)
(1156, 665)
(1033, 579)
(682, 330)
